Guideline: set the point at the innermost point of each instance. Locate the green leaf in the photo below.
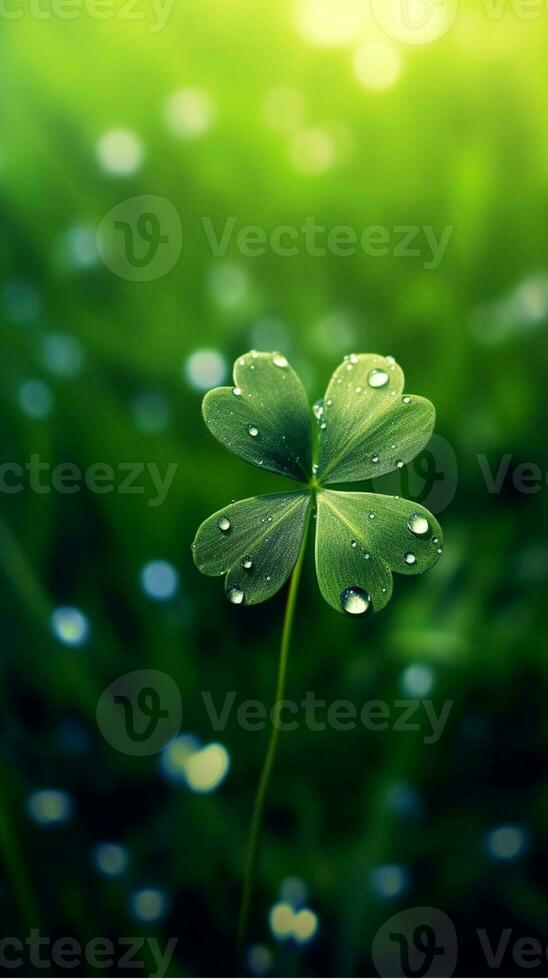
(265, 418)
(352, 526)
(369, 427)
(255, 543)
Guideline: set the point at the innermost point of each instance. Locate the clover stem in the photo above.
(258, 806)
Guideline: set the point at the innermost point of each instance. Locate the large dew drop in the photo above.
(418, 525)
(377, 378)
(224, 524)
(279, 361)
(409, 558)
(253, 430)
(235, 596)
(355, 601)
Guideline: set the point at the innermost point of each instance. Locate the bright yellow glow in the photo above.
(414, 21)
(206, 769)
(284, 108)
(312, 151)
(330, 23)
(189, 113)
(305, 924)
(282, 920)
(377, 66)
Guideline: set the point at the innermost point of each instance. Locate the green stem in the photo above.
(258, 806)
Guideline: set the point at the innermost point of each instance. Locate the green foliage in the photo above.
(255, 543)
(366, 427)
(265, 417)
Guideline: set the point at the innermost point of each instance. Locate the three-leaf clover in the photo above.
(367, 427)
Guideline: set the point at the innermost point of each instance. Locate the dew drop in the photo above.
(268, 578)
(377, 378)
(409, 558)
(235, 596)
(329, 401)
(366, 554)
(323, 426)
(253, 430)
(418, 525)
(237, 392)
(354, 544)
(371, 515)
(318, 410)
(247, 562)
(355, 601)
(399, 464)
(440, 550)
(314, 469)
(375, 458)
(224, 524)
(358, 389)
(279, 361)
(354, 358)
(242, 362)
(406, 399)
(269, 519)
(435, 540)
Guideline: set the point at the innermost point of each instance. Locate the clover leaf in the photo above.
(367, 427)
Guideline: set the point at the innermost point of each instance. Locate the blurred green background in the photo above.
(269, 114)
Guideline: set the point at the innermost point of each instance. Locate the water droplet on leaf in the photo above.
(224, 524)
(253, 430)
(418, 524)
(375, 458)
(377, 378)
(355, 601)
(409, 558)
(235, 596)
(237, 392)
(247, 562)
(279, 361)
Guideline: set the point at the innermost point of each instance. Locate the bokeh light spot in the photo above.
(189, 113)
(160, 580)
(330, 23)
(49, 806)
(120, 152)
(377, 66)
(205, 369)
(70, 626)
